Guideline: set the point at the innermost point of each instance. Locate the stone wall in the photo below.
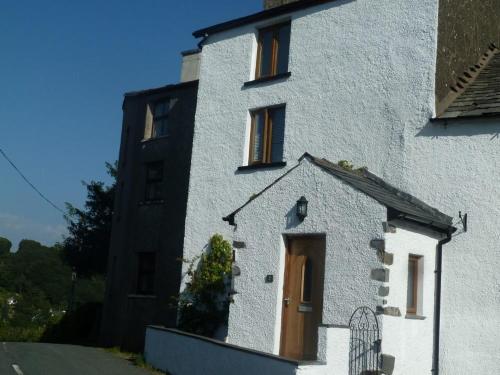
(466, 28)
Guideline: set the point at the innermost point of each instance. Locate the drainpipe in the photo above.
(437, 303)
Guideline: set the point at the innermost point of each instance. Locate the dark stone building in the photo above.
(147, 238)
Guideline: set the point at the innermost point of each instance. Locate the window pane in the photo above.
(277, 116)
(257, 144)
(307, 279)
(283, 49)
(154, 171)
(161, 109)
(160, 127)
(410, 301)
(146, 273)
(266, 57)
(153, 191)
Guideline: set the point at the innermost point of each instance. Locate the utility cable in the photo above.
(29, 182)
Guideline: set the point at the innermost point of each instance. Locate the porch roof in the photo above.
(402, 205)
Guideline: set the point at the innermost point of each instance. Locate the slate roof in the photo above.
(260, 16)
(405, 205)
(481, 97)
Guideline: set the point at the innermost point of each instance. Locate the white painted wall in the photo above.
(362, 89)
(350, 220)
(458, 168)
(350, 96)
(410, 340)
(181, 354)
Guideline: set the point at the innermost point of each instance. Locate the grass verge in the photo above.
(137, 359)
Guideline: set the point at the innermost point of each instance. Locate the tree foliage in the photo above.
(204, 304)
(87, 246)
(5, 246)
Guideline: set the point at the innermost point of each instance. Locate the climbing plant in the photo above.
(204, 303)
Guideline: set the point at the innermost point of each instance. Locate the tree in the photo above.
(5, 246)
(87, 246)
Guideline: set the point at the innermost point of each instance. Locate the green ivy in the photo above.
(204, 303)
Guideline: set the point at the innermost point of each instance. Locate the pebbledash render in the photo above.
(379, 84)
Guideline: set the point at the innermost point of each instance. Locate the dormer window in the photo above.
(273, 50)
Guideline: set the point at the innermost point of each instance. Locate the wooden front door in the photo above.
(302, 297)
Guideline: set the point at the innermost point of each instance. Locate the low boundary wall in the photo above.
(181, 353)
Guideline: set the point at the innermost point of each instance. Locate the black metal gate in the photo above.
(365, 345)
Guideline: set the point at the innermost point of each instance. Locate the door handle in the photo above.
(287, 301)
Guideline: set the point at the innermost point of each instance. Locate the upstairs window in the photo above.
(267, 135)
(157, 119)
(414, 288)
(273, 50)
(154, 181)
(160, 119)
(146, 263)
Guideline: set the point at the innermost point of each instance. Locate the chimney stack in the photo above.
(190, 70)
(276, 3)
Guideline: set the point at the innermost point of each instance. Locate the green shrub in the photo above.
(204, 304)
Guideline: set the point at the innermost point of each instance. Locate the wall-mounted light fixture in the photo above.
(302, 208)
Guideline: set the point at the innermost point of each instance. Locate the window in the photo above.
(267, 135)
(273, 50)
(154, 181)
(146, 273)
(159, 120)
(413, 291)
(307, 274)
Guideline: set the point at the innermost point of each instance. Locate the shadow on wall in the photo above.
(292, 221)
(462, 128)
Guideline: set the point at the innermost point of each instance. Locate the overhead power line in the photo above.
(29, 183)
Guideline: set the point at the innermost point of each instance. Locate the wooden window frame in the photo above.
(267, 135)
(415, 259)
(275, 29)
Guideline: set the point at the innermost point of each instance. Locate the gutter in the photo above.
(437, 303)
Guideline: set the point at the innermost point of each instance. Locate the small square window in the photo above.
(414, 288)
(273, 50)
(267, 135)
(154, 181)
(146, 263)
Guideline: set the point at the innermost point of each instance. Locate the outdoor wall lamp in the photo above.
(302, 208)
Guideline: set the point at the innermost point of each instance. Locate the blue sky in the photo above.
(64, 67)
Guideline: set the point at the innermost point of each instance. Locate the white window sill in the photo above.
(415, 317)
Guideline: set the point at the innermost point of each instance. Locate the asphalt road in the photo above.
(54, 359)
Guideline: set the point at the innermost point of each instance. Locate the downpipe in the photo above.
(437, 303)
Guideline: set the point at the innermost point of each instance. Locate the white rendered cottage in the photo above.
(311, 248)
(365, 81)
